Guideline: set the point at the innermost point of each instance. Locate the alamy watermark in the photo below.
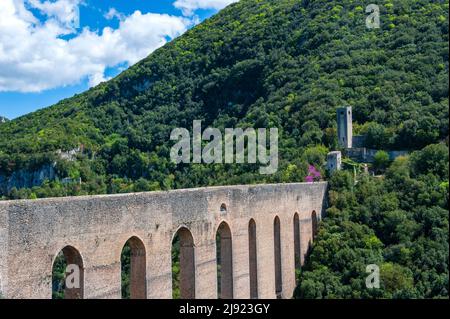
(373, 20)
(226, 148)
(373, 279)
(74, 22)
(73, 278)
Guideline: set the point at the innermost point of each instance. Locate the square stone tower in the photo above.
(345, 126)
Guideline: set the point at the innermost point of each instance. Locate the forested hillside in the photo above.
(258, 63)
(399, 223)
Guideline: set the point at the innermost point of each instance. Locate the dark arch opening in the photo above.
(297, 241)
(223, 208)
(315, 224)
(68, 275)
(253, 259)
(277, 252)
(224, 249)
(183, 265)
(133, 266)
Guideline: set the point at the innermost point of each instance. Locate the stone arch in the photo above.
(183, 257)
(68, 274)
(277, 257)
(297, 241)
(314, 224)
(224, 257)
(133, 265)
(253, 259)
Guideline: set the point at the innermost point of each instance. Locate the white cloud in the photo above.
(34, 56)
(65, 11)
(114, 14)
(189, 6)
(97, 78)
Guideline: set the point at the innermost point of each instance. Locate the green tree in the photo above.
(381, 160)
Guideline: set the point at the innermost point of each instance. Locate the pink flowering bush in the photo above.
(313, 175)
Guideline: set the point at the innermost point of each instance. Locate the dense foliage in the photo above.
(399, 222)
(125, 267)
(258, 63)
(176, 293)
(59, 276)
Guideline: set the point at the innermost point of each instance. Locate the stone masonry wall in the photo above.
(33, 232)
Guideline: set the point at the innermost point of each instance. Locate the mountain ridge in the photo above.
(257, 63)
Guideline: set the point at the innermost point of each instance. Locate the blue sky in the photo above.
(53, 49)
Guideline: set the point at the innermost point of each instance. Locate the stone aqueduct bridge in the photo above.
(263, 230)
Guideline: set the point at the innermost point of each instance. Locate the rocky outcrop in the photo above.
(27, 178)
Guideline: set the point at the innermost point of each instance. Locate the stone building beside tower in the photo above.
(354, 146)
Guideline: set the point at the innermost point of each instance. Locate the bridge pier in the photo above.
(241, 268)
(288, 255)
(205, 264)
(265, 258)
(159, 265)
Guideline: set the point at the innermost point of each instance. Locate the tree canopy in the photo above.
(399, 223)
